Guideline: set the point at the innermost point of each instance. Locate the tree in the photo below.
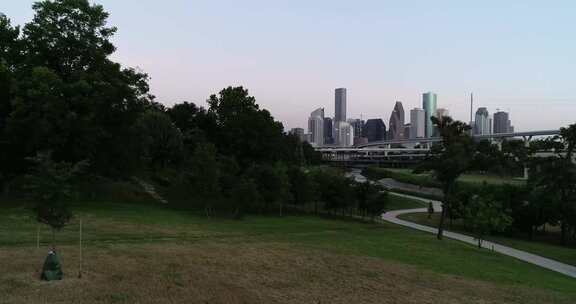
(302, 186)
(244, 130)
(244, 195)
(557, 176)
(371, 199)
(376, 203)
(68, 36)
(336, 191)
(205, 172)
(485, 215)
(49, 185)
(448, 160)
(273, 185)
(10, 43)
(62, 78)
(161, 140)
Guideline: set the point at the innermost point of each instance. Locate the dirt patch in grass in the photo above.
(232, 273)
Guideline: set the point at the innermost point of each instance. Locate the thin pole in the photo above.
(471, 107)
(80, 271)
(37, 236)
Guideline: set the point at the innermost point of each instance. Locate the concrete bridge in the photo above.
(404, 152)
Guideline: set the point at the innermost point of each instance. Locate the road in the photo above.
(392, 217)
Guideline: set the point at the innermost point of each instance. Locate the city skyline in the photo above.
(488, 48)
(416, 125)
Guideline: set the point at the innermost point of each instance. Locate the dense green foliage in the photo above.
(62, 96)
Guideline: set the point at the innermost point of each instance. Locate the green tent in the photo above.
(52, 270)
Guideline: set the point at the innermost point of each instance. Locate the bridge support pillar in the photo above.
(527, 140)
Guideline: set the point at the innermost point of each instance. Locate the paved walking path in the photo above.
(392, 217)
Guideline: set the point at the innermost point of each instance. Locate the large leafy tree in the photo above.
(245, 130)
(161, 140)
(61, 75)
(448, 160)
(556, 176)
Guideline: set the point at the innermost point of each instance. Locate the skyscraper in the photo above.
(417, 122)
(407, 130)
(316, 127)
(502, 123)
(339, 113)
(340, 105)
(328, 138)
(396, 125)
(482, 122)
(375, 130)
(299, 132)
(441, 112)
(429, 105)
(345, 134)
(357, 125)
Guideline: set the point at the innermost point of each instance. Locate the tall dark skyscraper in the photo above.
(396, 126)
(340, 105)
(502, 123)
(375, 130)
(328, 139)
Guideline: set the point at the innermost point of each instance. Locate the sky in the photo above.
(514, 55)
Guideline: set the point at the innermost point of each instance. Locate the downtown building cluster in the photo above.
(341, 131)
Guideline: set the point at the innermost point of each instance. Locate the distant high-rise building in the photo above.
(407, 131)
(339, 112)
(429, 101)
(375, 130)
(502, 123)
(299, 132)
(328, 128)
(441, 112)
(396, 125)
(345, 134)
(316, 127)
(417, 122)
(340, 105)
(482, 122)
(358, 126)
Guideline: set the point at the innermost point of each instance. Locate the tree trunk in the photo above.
(563, 228)
(444, 212)
(441, 224)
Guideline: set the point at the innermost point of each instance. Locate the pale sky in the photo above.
(515, 55)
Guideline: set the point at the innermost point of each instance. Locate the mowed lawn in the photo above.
(468, 178)
(152, 254)
(544, 244)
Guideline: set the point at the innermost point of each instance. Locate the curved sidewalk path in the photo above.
(392, 217)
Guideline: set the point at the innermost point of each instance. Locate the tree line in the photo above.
(69, 113)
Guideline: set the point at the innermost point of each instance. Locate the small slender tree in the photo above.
(49, 185)
(484, 215)
(448, 160)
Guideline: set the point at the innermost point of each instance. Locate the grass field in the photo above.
(468, 178)
(150, 254)
(544, 244)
